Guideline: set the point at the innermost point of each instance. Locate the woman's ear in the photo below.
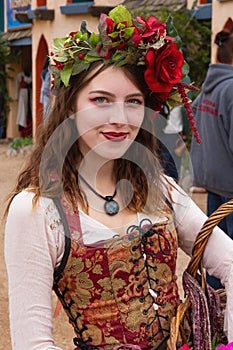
(228, 26)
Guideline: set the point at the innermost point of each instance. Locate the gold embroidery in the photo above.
(103, 282)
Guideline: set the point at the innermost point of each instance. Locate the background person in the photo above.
(103, 221)
(45, 90)
(212, 160)
(24, 97)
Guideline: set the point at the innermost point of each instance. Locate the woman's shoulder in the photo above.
(173, 191)
(24, 202)
(169, 183)
(23, 211)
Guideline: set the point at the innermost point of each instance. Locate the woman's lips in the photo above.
(115, 136)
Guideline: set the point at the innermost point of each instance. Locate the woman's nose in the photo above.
(118, 113)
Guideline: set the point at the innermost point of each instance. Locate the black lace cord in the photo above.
(73, 319)
(82, 344)
(148, 234)
(78, 341)
(59, 270)
(146, 230)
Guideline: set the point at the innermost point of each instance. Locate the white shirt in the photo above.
(174, 123)
(34, 246)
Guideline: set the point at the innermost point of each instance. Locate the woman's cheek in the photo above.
(136, 116)
(90, 118)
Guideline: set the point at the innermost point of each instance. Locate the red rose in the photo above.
(148, 30)
(164, 67)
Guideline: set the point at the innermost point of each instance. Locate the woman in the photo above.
(24, 93)
(103, 222)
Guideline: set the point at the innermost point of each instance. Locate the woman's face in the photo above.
(110, 111)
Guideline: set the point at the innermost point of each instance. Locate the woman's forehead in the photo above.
(112, 78)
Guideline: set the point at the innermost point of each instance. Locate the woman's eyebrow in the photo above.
(139, 94)
(101, 92)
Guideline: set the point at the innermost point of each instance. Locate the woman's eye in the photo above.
(100, 99)
(135, 101)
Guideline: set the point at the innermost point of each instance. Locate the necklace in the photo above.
(111, 206)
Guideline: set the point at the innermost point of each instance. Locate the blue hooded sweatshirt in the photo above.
(212, 160)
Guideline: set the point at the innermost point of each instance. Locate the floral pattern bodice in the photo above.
(122, 290)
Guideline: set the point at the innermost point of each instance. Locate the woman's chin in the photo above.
(111, 150)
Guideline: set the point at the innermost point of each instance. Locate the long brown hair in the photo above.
(55, 172)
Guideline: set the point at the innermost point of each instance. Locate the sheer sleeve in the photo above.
(33, 248)
(218, 255)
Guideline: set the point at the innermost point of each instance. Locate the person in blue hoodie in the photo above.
(212, 160)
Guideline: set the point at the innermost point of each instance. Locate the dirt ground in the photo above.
(63, 334)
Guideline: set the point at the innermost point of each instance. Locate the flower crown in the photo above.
(151, 44)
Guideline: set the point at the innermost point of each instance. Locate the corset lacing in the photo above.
(78, 341)
(146, 231)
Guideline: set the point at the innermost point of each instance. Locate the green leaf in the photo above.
(94, 39)
(66, 73)
(59, 42)
(122, 61)
(60, 58)
(114, 35)
(57, 81)
(117, 56)
(92, 53)
(115, 43)
(214, 344)
(174, 99)
(185, 69)
(80, 36)
(171, 31)
(91, 58)
(79, 67)
(128, 32)
(121, 14)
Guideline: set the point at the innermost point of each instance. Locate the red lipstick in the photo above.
(115, 136)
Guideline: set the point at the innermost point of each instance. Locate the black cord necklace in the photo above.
(111, 206)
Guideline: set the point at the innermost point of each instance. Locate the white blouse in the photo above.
(34, 246)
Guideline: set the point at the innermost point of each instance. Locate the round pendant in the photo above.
(111, 207)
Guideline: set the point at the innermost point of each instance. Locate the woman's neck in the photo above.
(99, 174)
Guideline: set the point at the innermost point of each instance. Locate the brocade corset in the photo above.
(122, 290)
